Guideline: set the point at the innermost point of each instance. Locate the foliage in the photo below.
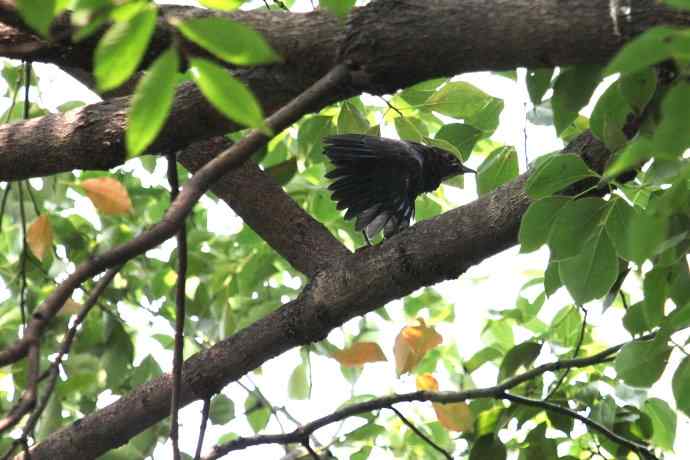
(629, 221)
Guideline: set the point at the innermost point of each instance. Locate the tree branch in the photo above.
(529, 33)
(497, 392)
(173, 218)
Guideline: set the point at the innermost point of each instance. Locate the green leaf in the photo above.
(361, 454)
(555, 173)
(257, 413)
(38, 14)
(523, 354)
(538, 446)
(51, 418)
(605, 412)
(463, 100)
(482, 357)
(122, 47)
(663, 421)
(462, 136)
(640, 364)
(151, 102)
(351, 120)
(635, 235)
(652, 46)
(590, 274)
(575, 224)
(640, 318)
(571, 91)
(552, 280)
(638, 88)
(340, 8)
(672, 135)
(410, 129)
(680, 384)
(500, 167)
(609, 117)
(222, 5)
(537, 220)
(227, 94)
(565, 327)
(488, 447)
(633, 155)
(283, 172)
(538, 82)
(222, 409)
(298, 385)
(229, 40)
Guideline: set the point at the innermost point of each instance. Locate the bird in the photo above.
(377, 179)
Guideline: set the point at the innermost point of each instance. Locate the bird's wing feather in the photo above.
(375, 180)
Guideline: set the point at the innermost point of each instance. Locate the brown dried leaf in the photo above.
(39, 236)
(108, 195)
(359, 354)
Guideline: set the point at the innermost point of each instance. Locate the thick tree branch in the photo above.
(381, 41)
(497, 392)
(428, 252)
(266, 208)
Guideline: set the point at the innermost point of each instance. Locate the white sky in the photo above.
(492, 285)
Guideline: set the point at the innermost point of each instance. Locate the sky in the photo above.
(491, 285)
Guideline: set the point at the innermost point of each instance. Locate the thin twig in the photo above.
(205, 411)
(421, 434)
(580, 339)
(312, 452)
(596, 426)
(168, 226)
(387, 401)
(179, 311)
(23, 257)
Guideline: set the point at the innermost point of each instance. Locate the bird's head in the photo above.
(451, 166)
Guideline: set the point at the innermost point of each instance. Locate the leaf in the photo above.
(590, 274)
(38, 14)
(571, 91)
(555, 173)
(108, 195)
(552, 280)
(664, 421)
(351, 120)
(229, 40)
(340, 8)
(452, 416)
(122, 47)
(462, 136)
(463, 100)
(538, 82)
(641, 363)
(633, 155)
(575, 224)
(638, 88)
(227, 94)
(537, 220)
(671, 135)
(283, 172)
(635, 235)
(520, 355)
(680, 384)
(257, 413)
(410, 129)
(151, 102)
(650, 47)
(222, 409)
(359, 354)
(565, 327)
(222, 5)
(488, 447)
(609, 117)
(39, 236)
(298, 384)
(500, 167)
(412, 343)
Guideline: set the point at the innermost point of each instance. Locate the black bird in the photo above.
(378, 179)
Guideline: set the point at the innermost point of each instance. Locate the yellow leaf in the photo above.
(39, 236)
(108, 195)
(359, 353)
(427, 382)
(412, 343)
(454, 416)
(70, 308)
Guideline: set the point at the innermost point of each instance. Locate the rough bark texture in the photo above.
(382, 40)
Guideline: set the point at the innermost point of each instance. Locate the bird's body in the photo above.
(377, 179)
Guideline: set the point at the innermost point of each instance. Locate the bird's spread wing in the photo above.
(375, 180)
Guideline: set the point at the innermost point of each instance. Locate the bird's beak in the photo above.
(466, 170)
